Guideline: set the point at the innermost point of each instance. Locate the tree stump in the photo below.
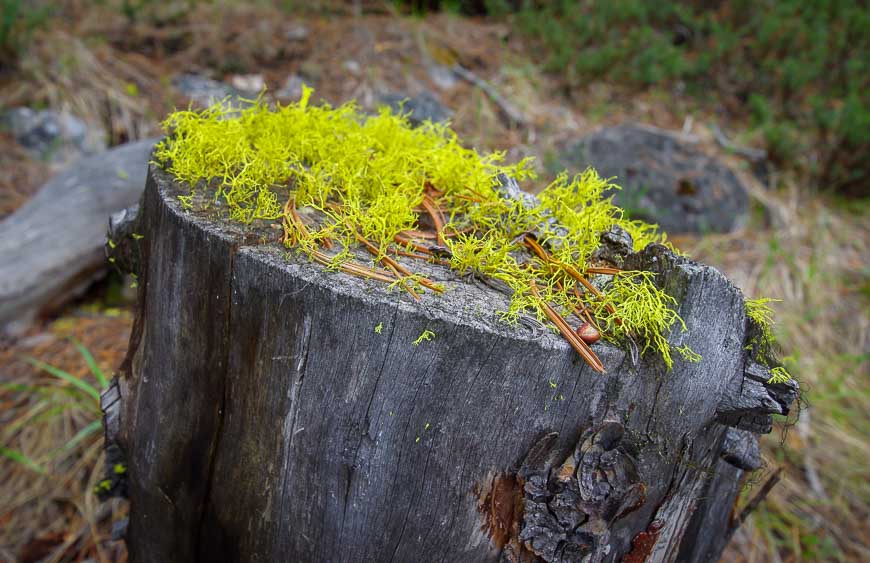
(272, 410)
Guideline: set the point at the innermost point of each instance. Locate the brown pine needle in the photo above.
(580, 313)
(412, 244)
(291, 217)
(403, 283)
(575, 341)
(436, 215)
(354, 269)
(603, 271)
(542, 253)
(393, 264)
(412, 254)
(585, 311)
(287, 224)
(412, 234)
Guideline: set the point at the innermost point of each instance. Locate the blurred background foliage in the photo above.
(791, 77)
(799, 69)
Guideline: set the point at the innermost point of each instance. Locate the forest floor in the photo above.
(805, 248)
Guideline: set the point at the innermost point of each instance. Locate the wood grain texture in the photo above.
(52, 246)
(265, 419)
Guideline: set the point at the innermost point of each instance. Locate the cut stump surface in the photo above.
(265, 419)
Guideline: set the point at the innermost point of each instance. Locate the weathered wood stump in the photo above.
(275, 411)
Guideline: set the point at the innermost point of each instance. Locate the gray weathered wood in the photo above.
(53, 245)
(265, 419)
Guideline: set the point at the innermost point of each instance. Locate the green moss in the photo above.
(340, 181)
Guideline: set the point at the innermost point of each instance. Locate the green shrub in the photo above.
(18, 20)
(799, 68)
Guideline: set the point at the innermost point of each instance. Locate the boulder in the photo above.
(664, 179)
(55, 137)
(424, 107)
(203, 91)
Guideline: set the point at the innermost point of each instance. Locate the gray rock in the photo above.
(352, 66)
(424, 107)
(296, 32)
(204, 91)
(443, 77)
(664, 179)
(248, 84)
(52, 247)
(292, 88)
(51, 136)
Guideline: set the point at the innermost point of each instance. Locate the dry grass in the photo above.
(22, 175)
(813, 257)
(811, 252)
(55, 516)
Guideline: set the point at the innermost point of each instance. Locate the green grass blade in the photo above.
(31, 414)
(53, 392)
(19, 457)
(69, 378)
(92, 364)
(80, 436)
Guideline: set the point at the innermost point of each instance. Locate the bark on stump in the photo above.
(265, 419)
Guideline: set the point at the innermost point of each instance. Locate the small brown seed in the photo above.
(588, 333)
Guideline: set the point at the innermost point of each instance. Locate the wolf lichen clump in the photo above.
(762, 346)
(342, 182)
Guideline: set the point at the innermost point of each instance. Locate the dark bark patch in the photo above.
(643, 543)
(501, 503)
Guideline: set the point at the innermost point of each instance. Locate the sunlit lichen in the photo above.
(779, 375)
(374, 183)
(763, 344)
(425, 336)
(760, 312)
(639, 309)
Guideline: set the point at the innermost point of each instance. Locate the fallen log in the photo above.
(273, 410)
(52, 247)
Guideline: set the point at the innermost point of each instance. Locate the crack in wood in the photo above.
(215, 444)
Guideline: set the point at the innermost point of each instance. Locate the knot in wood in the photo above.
(569, 509)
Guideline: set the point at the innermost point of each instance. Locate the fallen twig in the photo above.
(755, 502)
(513, 115)
(727, 144)
(573, 339)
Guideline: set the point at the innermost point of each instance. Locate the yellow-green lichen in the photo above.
(761, 313)
(338, 180)
(639, 308)
(779, 375)
(425, 336)
(764, 341)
